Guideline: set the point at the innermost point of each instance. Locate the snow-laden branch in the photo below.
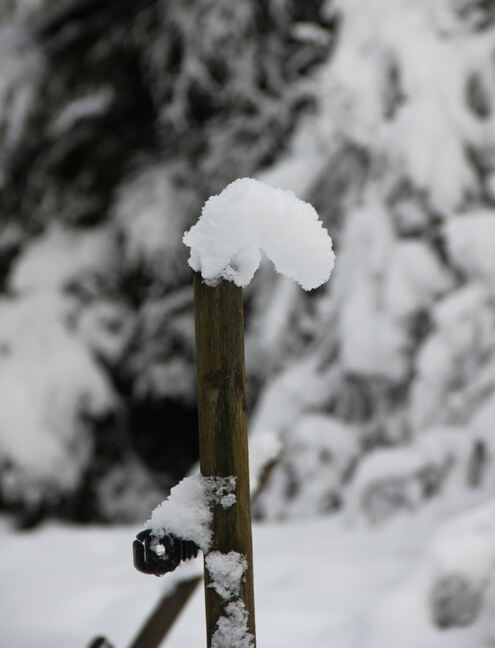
(249, 217)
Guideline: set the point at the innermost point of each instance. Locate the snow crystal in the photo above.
(187, 510)
(232, 631)
(248, 217)
(226, 572)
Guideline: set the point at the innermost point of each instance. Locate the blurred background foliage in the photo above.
(118, 120)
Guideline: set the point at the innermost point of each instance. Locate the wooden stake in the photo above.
(222, 416)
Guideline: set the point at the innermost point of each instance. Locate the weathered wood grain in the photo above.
(222, 410)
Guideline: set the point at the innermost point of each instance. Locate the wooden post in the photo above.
(222, 413)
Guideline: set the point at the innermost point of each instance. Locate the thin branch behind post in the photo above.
(165, 614)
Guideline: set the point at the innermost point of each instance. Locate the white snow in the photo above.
(461, 549)
(105, 326)
(228, 500)
(367, 588)
(318, 583)
(248, 217)
(481, 423)
(450, 355)
(380, 283)
(82, 582)
(220, 490)
(318, 452)
(232, 630)
(185, 513)
(395, 479)
(310, 33)
(149, 215)
(271, 325)
(226, 572)
(466, 544)
(187, 510)
(413, 279)
(62, 255)
(48, 379)
(85, 107)
(22, 69)
(470, 240)
(425, 139)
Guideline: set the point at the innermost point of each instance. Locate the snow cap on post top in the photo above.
(248, 217)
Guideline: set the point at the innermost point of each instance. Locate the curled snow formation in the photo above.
(249, 217)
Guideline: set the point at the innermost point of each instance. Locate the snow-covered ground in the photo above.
(327, 582)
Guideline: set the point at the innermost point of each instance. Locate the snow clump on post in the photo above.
(249, 217)
(187, 510)
(226, 572)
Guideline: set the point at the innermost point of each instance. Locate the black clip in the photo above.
(159, 555)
